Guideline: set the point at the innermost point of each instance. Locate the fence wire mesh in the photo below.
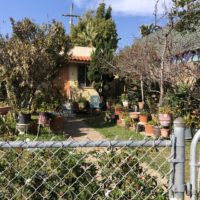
(92, 170)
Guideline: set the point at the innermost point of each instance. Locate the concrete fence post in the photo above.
(179, 159)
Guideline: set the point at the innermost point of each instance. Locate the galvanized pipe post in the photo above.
(179, 160)
(193, 166)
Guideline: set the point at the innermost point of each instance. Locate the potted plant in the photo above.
(4, 108)
(82, 103)
(118, 109)
(156, 128)
(165, 115)
(128, 121)
(190, 121)
(143, 116)
(124, 99)
(149, 128)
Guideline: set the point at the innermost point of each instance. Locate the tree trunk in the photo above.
(142, 86)
(162, 69)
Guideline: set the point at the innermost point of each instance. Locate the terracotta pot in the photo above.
(165, 132)
(165, 119)
(141, 105)
(156, 131)
(134, 115)
(4, 110)
(143, 118)
(117, 111)
(149, 130)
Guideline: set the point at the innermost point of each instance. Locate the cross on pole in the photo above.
(71, 16)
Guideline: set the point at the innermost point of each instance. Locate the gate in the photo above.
(194, 185)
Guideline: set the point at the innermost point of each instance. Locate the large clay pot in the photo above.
(165, 132)
(143, 118)
(4, 110)
(149, 130)
(141, 105)
(24, 118)
(165, 119)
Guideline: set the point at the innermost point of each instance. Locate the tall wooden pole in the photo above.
(71, 16)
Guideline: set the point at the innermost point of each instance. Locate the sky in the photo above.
(128, 14)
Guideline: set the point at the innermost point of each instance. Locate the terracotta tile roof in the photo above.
(81, 58)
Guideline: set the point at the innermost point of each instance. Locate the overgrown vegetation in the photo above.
(54, 174)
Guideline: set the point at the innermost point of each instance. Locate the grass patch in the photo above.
(110, 130)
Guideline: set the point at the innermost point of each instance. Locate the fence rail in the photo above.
(75, 144)
(96, 170)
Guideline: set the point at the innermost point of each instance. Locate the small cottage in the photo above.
(73, 76)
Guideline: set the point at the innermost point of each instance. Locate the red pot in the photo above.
(143, 118)
(149, 130)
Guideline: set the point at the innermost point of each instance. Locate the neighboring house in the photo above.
(182, 53)
(181, 48)
(74, 75)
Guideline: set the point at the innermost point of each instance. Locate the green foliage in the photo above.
(124, 97)
(165, 109)
(30, 59)
(97, 30)
(63, 174)
(7, 127)
(148, 29)
(188, 14)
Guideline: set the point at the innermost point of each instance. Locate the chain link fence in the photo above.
(85, 170)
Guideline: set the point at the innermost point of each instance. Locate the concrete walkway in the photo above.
(78, 130)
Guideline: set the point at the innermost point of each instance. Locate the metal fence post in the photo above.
(179, 160)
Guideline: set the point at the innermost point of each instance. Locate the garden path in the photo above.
(78, 130)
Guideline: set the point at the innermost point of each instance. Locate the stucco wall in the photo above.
(69, 79)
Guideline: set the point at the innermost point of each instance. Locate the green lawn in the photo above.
(110, 130)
